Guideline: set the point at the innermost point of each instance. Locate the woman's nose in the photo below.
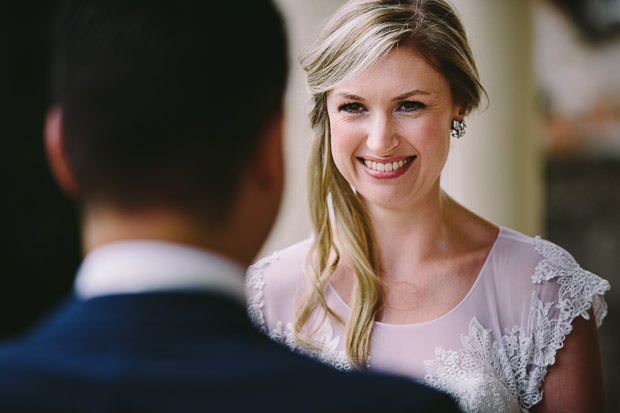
(382, 137)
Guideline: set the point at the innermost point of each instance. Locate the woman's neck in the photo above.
(417, 233)
(430, 255)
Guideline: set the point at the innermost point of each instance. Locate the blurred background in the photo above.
(543, 157)
(39, 228)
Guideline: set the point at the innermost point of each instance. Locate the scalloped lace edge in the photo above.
(324, 338)
(254, 281)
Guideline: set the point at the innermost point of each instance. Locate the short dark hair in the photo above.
(164, 101)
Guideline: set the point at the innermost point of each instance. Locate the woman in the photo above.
(398, 276)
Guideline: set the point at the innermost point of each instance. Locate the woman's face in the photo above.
(390, 129)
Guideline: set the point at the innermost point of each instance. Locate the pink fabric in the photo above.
(491, 351)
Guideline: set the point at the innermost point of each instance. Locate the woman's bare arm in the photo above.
(575, 382)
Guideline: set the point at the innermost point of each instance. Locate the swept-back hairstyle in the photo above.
(163, 102)
(359, 35)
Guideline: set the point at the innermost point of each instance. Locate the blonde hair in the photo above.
(359, 35)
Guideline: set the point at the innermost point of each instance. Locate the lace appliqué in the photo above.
(476, 375)
(327, 345)
(579, 289)
(254, 280)
(486, 376)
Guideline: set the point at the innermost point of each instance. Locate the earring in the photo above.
(458, 129)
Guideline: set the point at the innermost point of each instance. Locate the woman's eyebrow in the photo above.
(399, 97)
(350, 96)
(412, 93)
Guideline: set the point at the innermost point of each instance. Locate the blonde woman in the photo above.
(398, 276)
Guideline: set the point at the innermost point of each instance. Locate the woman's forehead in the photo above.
(402, 70)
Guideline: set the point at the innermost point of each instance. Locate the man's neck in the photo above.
(105, 225)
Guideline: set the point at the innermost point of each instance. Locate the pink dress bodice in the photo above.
(491, 351)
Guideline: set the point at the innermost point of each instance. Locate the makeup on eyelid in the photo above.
(357, 108)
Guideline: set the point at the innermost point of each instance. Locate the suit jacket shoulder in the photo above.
(180, 352)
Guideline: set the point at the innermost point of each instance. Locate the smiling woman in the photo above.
(390, 129)
(398, 276)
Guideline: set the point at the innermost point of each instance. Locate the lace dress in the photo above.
(491, 351)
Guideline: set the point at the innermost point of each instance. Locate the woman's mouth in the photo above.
(385, 166)
(386, 170)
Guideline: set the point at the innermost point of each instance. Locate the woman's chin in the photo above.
(385, 199)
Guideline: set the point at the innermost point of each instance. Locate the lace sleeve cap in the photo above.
(254, 284)
(578, 289)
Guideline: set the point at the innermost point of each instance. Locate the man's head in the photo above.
(166, 104)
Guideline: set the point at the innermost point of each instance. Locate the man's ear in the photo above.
(54, 147)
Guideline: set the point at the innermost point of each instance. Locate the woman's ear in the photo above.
(460, 113)
(54, 148)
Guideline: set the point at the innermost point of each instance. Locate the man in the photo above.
(168, 133)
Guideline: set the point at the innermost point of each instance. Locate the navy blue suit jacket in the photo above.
(181, 352)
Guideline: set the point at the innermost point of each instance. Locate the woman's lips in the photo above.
(387, 169)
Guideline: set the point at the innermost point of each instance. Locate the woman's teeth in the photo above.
(386, 167)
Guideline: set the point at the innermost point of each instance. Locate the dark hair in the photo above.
(164, 101)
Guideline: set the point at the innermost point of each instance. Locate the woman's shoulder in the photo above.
(273, 281)
(514, 251)
(533, 265)
(527, 297)
(281, 267)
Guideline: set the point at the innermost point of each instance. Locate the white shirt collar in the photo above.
(140, 266)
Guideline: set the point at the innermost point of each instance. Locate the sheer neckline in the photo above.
(477, 281)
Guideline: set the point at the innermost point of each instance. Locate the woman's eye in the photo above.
(410, 106)
(351, 108)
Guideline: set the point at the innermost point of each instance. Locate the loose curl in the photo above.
(357, 37)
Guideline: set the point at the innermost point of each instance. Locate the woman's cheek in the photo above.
(343, 146)
(434, 139)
